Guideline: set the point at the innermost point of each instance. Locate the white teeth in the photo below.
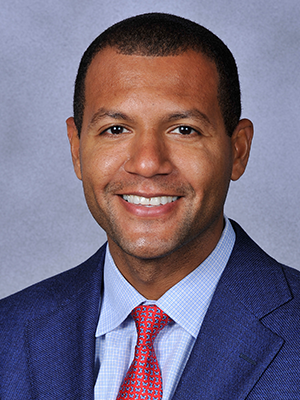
(136, 199)
(149, 201)
(144, 201)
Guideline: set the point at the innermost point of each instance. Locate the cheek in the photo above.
(99, 164)
(207, 171)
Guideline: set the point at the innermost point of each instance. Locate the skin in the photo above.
(132, 143)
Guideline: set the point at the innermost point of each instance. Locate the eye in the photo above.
(115, 130)
(185, 130)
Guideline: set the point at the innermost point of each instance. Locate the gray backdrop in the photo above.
(45, 225)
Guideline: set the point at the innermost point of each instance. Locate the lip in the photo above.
(149, 212)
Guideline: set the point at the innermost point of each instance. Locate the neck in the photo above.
(153, 277)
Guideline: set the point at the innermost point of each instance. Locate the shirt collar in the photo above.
(193, 293)
(119, 297)
(187, 302)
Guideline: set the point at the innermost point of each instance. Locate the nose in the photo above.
(148, 155)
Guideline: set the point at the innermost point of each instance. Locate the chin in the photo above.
(144, 250)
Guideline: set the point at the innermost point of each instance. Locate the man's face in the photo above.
(153, 155)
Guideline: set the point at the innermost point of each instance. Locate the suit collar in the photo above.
(61, 343)
(235, 346)
(254, 278)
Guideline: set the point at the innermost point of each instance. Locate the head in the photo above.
(161, 35)
(156, 137)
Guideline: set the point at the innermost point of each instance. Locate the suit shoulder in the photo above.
(46, 295)
(250, 250)
(258, 279)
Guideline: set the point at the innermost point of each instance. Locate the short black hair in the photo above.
(159, 34)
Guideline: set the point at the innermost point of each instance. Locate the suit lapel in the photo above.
(61, 343)
(234, 347)
(230, 354)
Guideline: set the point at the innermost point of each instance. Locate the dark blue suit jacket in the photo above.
(248, 346)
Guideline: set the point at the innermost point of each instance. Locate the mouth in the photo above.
(149, 201)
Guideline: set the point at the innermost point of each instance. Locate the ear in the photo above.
(241, 144)
(75, 145)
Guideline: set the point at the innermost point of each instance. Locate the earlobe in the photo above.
(75, 145)
(241, 145)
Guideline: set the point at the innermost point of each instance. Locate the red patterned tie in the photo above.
(143, 379)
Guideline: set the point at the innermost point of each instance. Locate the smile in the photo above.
(149, 201)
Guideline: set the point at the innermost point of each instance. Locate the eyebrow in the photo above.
(114, 114)
(193, 113)
(104, 113)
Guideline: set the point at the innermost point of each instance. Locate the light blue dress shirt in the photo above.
(186, 304)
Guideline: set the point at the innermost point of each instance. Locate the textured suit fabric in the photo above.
(248, 346)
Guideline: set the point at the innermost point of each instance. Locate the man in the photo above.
(156, 138)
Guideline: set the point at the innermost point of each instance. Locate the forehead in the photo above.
(188, 68)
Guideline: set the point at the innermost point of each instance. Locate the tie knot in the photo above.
(149, 321)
